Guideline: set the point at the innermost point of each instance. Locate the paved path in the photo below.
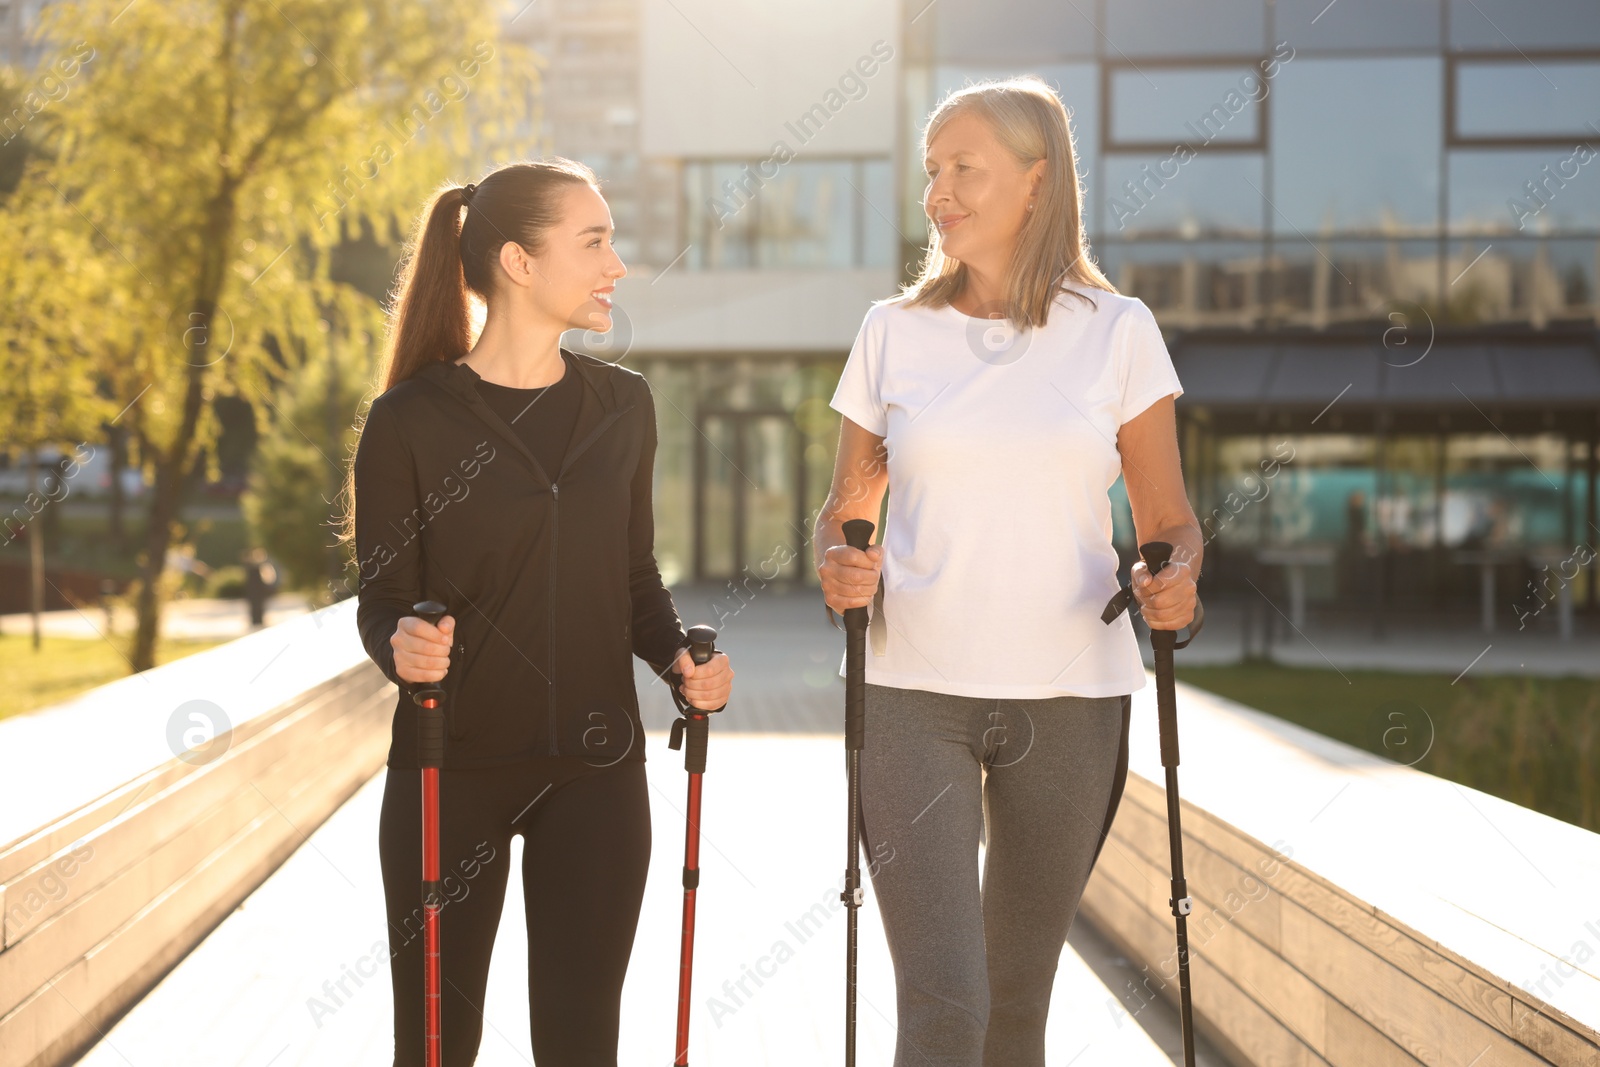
(774, 818)
(252, 994)
(193, 617)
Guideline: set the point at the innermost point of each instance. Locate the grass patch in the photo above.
(66, 666)
(1532, 741)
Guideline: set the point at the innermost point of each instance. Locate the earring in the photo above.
(1030, 205)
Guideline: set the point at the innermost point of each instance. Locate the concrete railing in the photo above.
(1349, 910)
(138, 816)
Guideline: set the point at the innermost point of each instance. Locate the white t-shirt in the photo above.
(1001, 448)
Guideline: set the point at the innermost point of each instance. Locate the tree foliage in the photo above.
(214, 153)
(292, 504)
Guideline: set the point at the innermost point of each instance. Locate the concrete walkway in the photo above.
(261, 991)
(253, 993)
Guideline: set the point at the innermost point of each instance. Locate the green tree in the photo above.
(52, 318)
(299, 469)
(222, 149)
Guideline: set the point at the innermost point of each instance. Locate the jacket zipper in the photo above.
(484, 412)
(555, 526)
(555, 518)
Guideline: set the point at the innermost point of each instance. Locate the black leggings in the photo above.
(586, 848)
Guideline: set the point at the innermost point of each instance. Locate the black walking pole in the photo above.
(429, 699)
(1163, 642)
(857, 534)
(693, 724)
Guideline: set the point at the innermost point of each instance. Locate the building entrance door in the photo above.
(749, 497)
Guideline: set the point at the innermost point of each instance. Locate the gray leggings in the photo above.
(1040, 779)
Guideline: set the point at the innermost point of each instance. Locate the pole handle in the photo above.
(429, 611)
(429, 698)
(702, 643)
(1156, 555)
(858, 535)
(702, 646)
(692, 722)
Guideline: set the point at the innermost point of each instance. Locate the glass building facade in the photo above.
(1261, 173)
(1258, 173)
(1255, 164)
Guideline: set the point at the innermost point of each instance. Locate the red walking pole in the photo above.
(693, 723)
(430, 756)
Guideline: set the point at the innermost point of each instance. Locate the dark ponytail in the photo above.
(428, 319)
(450, 255)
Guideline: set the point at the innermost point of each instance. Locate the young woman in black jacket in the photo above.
(511, 481)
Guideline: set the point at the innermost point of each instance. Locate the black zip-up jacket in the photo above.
(551, 577)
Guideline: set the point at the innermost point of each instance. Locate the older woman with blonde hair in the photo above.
(997, 399)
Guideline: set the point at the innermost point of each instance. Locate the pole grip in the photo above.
(1156, 555)
(858, 535)
(430, 736)
(429, 698)
(693, 724)
(1161, 642)
(702, 643)
(855, 696)
(429, 611)
(702, 646)
(696, 729)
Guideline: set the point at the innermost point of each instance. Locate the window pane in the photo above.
(803, 214)
(1355, 145)
(1323, 283)
(919, 97)
(805, 217)
(721, 217)
(1524, 190)
(1152, 196)
(1524, 280)
(1191, 105)
(970, 32)
(1313, 25)
(1570, 268)
(875, 208)
(1515, 99)
(1509, 25)
(1185, 28)
(1189, 284)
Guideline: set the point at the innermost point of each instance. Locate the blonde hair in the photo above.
(1029, 119)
